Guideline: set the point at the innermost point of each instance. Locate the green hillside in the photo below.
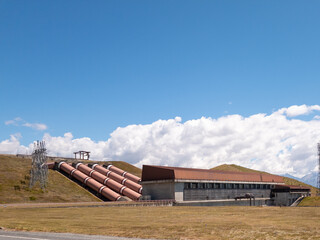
(288, 181)
(14, 182)
(234, 168)
(310, 202)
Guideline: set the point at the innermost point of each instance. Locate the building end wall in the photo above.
(159, 190)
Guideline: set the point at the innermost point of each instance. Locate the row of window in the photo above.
(226, 186)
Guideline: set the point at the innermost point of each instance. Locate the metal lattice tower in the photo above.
(318, 183)
(39, 170)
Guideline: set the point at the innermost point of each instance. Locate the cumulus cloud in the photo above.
(12, 145)
(296, 110)
(66, 145)
(270, 143)
(20, 122)
(275, 143)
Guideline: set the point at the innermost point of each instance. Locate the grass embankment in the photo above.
(171, 222)
(14, 185)
(15, 176)
(310, 202)
(287, 181)
(235, 168)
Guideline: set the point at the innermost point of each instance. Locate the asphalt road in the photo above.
(12, 235)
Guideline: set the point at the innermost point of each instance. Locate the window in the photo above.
(217, 185)
(229, 185)
(209, 185)
(187, 185)
(193, 185)
(201, 185)
(241, 186)
(236, 186)
(223, 186)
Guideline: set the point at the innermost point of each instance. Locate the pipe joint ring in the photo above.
(59, 165)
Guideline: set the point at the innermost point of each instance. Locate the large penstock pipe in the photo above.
(51, 165)
(124, 181)
(122, 173)
(107, 181)
(90, 182)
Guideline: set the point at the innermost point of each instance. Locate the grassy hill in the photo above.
(234, 168)
(310, 202)
(14, 182)
(288, 181)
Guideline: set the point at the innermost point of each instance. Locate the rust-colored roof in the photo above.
(150, 173)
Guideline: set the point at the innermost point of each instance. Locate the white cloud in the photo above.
(272, 143)
(36, 126)
(12, 145)
(66, 145)
(296, 110)
(20, 122)
(14, 122)
(317, 117)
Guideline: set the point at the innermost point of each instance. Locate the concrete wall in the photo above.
(183, 194)
(211, 194)
(232, 202)
(159, 190)
(286, 198)
(178, 189)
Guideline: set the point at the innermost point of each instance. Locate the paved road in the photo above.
(15, 235)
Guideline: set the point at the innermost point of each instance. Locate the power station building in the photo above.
(188, 186)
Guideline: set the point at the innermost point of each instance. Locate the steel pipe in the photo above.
(108, 182)
(90, 182)
(51, 165)
(122, 173)
(124, 181)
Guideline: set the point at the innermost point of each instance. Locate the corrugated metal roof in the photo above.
(150, 173)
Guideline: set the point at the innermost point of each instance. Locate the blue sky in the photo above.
(88, 67)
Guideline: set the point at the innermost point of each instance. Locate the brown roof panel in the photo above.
(150, 173)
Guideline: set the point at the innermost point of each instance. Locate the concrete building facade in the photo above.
(186, 185)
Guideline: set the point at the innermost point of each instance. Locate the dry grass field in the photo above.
(170, 222)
